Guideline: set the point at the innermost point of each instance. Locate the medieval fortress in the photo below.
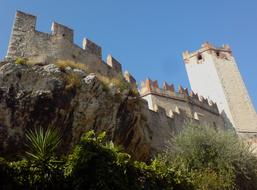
(218, 98)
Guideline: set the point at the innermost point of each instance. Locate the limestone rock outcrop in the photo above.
(42, 95)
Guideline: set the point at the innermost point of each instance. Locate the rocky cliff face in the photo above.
(72, 100)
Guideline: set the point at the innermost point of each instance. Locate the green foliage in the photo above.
(40, 169)
(122, 84)
(212, 160)
(199, 158)
(31, 175)
(97, 164)
(42, 144)
(21, 60)
(6, 176)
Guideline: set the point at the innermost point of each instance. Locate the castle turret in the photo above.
(213, 73)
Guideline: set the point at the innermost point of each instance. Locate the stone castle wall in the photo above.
(26, 41)
(164, 126)
(181, 104)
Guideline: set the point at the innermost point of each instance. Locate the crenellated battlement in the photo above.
(167, 91)
(26, 41)
(24, 33)
(179, 107)
(223, 52)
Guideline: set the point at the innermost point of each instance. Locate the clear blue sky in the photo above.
(148, 37)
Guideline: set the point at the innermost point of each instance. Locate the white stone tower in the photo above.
(213, 73)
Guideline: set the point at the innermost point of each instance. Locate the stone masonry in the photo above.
(213, 73)
(196, 109)
(27, 42)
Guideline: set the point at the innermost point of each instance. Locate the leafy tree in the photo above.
(212, 159)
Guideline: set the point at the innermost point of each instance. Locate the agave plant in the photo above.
(42, 143)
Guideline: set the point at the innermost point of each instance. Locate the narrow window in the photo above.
(217, 53)
(199, 57)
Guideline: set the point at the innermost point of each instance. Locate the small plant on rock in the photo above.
(72, 81)
(21, 60)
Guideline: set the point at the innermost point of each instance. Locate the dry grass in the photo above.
(62, 64)
(119, 82)
(72, 81)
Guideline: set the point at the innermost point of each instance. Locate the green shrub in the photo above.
(40, 169)
(199, 158)
(6, 176)
(31, 175)
(21, 60)
(213, 160)
(96, 164)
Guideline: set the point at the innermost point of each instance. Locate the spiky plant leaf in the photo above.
(42, 143)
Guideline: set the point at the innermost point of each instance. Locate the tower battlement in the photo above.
(223, 52)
